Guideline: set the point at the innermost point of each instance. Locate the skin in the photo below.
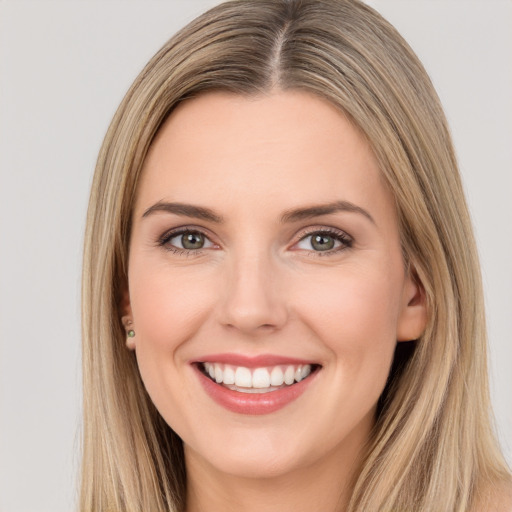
(260, 287)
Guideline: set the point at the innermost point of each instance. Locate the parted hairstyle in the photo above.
(433, 446)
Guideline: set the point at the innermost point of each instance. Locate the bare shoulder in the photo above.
(505, 498)
(497, 498)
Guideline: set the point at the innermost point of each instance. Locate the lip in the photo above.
(251, 361)
(253, 403)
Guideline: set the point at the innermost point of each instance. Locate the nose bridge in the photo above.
(252, 299)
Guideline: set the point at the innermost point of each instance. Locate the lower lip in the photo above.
(253, 403)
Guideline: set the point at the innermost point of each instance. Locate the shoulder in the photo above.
(504, 498)
(497, 498)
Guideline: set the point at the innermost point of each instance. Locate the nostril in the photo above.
(250, 302)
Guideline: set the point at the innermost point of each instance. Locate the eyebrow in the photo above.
(187, 210)
(323, 209)
(289, 216)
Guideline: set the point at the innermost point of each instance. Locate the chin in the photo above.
(245, 454)
(255, 464)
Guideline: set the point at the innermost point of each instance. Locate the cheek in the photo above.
(355, 314)
(353, 304)
(167, 307)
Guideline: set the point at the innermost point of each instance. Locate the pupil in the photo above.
(192, 241)
(322, 242)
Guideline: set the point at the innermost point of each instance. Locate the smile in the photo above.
(257, 380)
(255, 389)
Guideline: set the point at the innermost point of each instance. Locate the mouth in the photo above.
(260, 387)
(256, 380)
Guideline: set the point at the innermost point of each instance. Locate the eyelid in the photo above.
(342, 236)
(208, 242)
(174, 232)
(322, 229)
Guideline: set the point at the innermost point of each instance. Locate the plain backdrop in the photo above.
(64, 67)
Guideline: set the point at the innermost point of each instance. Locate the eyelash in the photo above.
(338, 235)
(163, 241)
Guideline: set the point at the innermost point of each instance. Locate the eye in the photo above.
(324, 241)
(185, 240)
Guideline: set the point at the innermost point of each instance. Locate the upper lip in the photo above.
(252, 361)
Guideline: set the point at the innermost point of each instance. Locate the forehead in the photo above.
(285, 147)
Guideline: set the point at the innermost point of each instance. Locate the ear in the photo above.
(125, 309)
(413, 315)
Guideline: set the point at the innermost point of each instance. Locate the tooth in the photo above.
(218, 373)
(229, 375)
(277, 377)
(260, 378)
(289, 375)
(243, 377)
(252, 390)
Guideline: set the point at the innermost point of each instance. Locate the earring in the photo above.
(127, 322)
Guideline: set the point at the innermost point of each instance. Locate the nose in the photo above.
(253, 302)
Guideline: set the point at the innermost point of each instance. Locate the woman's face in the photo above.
(265, 250)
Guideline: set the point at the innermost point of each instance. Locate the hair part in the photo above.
(433, 444)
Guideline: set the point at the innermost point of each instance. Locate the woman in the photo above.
(276, 205)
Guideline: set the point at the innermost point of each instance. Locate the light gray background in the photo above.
(64, 67)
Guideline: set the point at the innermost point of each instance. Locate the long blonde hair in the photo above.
(433, 447)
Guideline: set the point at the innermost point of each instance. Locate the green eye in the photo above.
(186, 240)
(321, 242)
(192, 241)
(325, 241)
